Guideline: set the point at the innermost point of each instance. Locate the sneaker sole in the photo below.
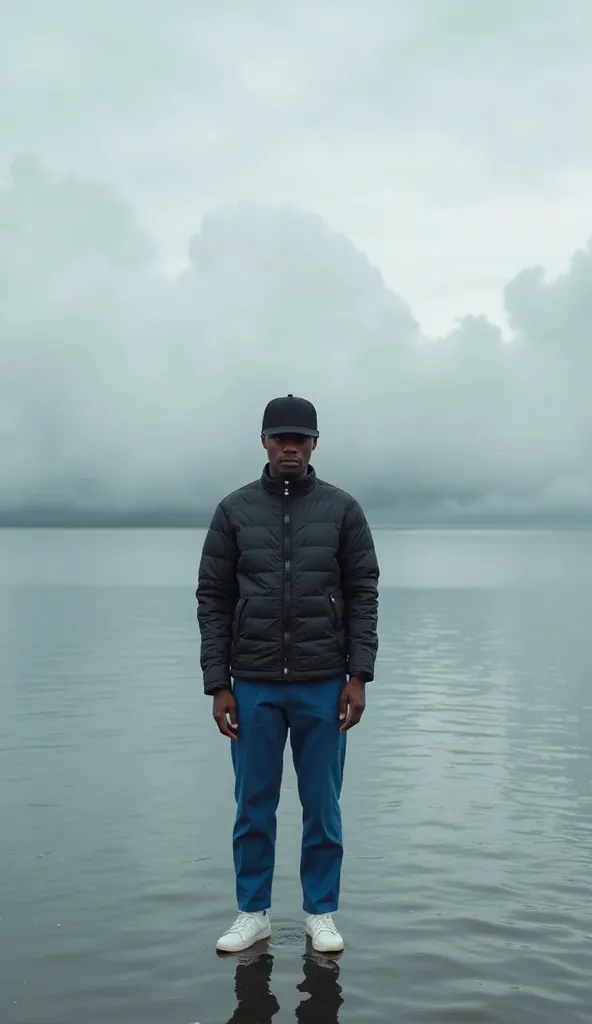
(259, 937)
(337, 948)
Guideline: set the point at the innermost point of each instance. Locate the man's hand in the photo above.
(353, 702)
(225, 709)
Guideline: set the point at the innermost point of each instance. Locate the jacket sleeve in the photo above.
(359, 576)
(216, 600)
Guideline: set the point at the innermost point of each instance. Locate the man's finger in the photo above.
(222, 723)
(343, 705)
(355, 713)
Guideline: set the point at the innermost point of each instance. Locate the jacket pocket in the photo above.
(334, 613)
(336, 620)
(238, 618)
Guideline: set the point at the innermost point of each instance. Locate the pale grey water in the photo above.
(467, 893)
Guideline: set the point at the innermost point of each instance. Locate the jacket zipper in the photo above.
(287, 582)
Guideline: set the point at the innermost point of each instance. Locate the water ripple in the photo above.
(467, 816)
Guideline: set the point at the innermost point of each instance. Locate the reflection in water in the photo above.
(321, 984)
(256, 1003)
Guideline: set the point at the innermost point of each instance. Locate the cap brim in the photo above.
(290, 430)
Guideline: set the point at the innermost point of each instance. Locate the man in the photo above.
(287, 605)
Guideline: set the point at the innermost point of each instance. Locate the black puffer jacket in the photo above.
(287, 585)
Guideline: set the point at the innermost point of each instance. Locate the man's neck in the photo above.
(275, 475)
(275, 481)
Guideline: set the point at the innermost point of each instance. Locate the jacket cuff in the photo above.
(211, 686)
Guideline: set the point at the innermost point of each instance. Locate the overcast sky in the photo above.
(385, 206)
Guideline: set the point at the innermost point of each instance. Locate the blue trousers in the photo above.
(266, 712)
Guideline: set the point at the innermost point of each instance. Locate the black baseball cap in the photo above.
(290, 415)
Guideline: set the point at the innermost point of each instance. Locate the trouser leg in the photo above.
(318, 749)
(257, 757)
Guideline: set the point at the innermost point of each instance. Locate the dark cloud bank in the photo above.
(129, 397)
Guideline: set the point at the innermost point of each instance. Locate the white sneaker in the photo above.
(246, 931)
(324, 934)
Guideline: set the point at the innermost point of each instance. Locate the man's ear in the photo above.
(314, 443)
(264, 441)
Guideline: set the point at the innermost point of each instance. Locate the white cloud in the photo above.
(449, 138)
(123, 387)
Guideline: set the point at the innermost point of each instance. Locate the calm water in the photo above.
(467, 887)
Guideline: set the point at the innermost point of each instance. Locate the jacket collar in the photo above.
(275, 485)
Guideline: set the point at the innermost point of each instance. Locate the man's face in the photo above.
(288, 454)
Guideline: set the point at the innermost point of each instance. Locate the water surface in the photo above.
(467, 802)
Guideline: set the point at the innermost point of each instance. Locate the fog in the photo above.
(131, 395)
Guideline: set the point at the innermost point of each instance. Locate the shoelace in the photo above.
(326, 922)
(241, 922)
